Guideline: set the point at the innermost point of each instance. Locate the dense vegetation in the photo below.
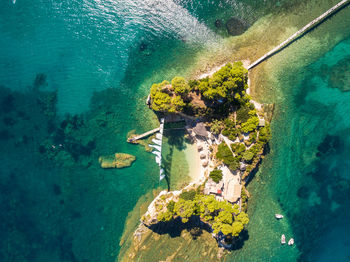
(247, 151)
(188, 195)
(216, 175)
(227, 84)
(225, 88)
(221, 215)
(224, 153)
(163, 98)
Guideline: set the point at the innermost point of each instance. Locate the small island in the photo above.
(117, 160)
(231, 133)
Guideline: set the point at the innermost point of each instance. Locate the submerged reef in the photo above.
(235, 26)
(118, 160)
(340, 75)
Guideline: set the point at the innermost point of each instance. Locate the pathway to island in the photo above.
(301, 32)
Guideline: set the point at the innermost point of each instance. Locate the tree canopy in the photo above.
(222, 215)
(230, 80)
(180, 86)
(164, 99)
(226, 86)
(216, 175)
(224, 153)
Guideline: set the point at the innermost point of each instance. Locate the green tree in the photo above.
(185, 209)
(243, 114)
(226, 229)
(203, 85)
(265, 134)
(243, 218)
(177, 104)
(165, 216)
(237, 228)
(161, 102)
(180, 86)
(188, 195)
(224, 153)
(238, 148)
(248, 156)
(230, 80)
(234, 164)
(216, 175)
(224, 217)
(170, 206)
(216, 126)
(251, 124)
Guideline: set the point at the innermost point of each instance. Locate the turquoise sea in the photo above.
(74, 76)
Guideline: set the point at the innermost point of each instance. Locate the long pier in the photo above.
(301, 32)
(144, 134)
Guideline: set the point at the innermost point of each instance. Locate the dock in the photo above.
(148, 133)
(301, 32)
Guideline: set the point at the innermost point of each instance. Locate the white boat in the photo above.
(291, 242)
(278, 216)
(161, 174)
(157, 153)
(156, 147)
(283, 239)
(156, 141)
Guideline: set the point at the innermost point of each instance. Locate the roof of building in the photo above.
(233, 191)
(213, 188)
(200, 130)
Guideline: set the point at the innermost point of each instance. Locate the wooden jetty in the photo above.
(301, 32)
(144, 135)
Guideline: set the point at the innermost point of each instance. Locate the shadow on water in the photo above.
(174, 227)
(175, 140)
(196, 227)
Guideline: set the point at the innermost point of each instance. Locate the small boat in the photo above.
(278, 216)
(291, 242)
(283, 239)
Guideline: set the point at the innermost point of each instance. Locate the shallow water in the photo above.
(99, 59)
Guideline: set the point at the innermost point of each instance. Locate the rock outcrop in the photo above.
(118, 160)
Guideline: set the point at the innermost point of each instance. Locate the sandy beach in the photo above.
(194, 162)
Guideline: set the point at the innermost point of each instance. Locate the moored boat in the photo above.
(283, 239)
(278, 216)
(291, 242)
